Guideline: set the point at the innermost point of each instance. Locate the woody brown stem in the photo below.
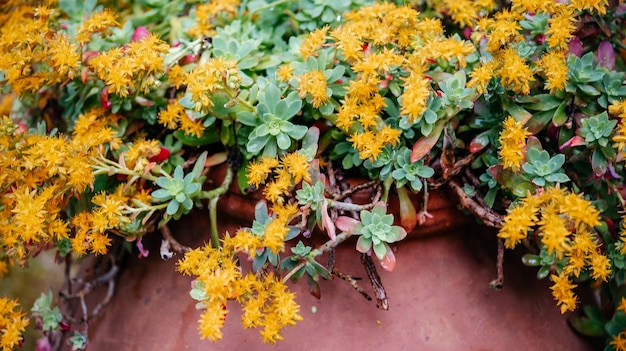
(379, 290)
(485, 214)
(174, 244)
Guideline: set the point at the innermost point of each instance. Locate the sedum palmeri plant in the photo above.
(114, 114)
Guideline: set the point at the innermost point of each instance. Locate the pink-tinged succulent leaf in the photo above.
(399, 234)
(314, 287)
(424, 144)
(104, 98)
(216, 159)
(328, 222)
(363, 245)
(380, 250)
(408, 215)
(479, 142)
(389, 261)
(347, 224)
(606, 55)
(576, 140)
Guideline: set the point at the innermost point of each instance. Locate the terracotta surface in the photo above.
(439, 299)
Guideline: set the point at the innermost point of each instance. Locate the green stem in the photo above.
(293, 271)
(345, 206)
(214, 196)
(268, 6)
(215, 239)
(330, 244)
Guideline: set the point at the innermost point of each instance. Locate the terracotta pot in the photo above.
(439, 299)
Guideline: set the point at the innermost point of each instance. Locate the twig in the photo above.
(293, 271)
(498, 283)
(353, 282)
(346, 193)
(485, 214)
(379, 290)
(458, 167)
(175, 245)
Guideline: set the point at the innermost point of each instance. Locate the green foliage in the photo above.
(50, 316)
(410, 172)
(273, 132)
(542, 169)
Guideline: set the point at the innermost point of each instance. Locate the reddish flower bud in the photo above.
(140, 33)
(104, 98)
(163, 155)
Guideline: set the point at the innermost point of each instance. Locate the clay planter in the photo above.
(439, 297)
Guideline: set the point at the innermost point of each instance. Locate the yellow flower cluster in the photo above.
(512, 140)
(212, 14)
(265, 300)
(12, 324)
(504, 30)
(35, 51)
(377, 41)
(564, 222)
(618, 108)
(287, 172)
(133, 68)
(39, 175)
(463, 12)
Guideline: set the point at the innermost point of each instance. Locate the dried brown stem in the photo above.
(458, 167)
(379, 290)
(348, 192)
(174, 244)
(485, 214)
(353, 282)
(498, 283)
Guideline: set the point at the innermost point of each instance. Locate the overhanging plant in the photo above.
(114, 114)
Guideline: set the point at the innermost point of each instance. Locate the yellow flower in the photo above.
(619, 341)
(258, 170)
(481, 76)
(12, 324)
(415, 96)
(512, 140)
(561, 28)
(313, 83)
(515, 74)
(298, 166)
(97, 22)
(212, 320)
(600, 266)
(554, 67)
(518, 222)
(313, 42)
(554, 235)
(598, 6)
(284, 72)
(562, 292)
(622, 305)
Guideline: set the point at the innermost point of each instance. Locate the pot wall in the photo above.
(439, 299)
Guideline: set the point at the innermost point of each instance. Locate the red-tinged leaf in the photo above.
(104, 98)
(606, 55)
(314, 287)
(84, 75)
(533, 142)
(576, 140)
(408, 215)
(389, 261)
(479, 142)
(216, 159)
(347, 224)
(363, 245)
(328, 222)
(447, 155)
(426, 143)
(599, 163)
